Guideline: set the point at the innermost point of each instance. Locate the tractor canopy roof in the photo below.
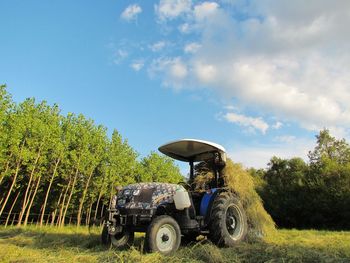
(191, 150)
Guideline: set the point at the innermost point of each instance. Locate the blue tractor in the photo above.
(171, 213)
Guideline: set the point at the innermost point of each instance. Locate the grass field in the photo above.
(70, 244)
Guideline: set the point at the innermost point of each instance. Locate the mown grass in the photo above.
(69, 244)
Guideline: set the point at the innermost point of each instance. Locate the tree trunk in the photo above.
(38, 218)
(47, 220)
(83, 198)
(14, 177)
(12, 206)
(103, 206)
(26, 197)
(98, 203)
(87, 221)
(61, 205)
(65, 209)
(6, 168)
(102, 210)
(22, 212)
(13, 219)
(110, 198)
(71, 193)
(12, 185)
(55, 211)
(48, 191)
(2, 199)
(31, 201)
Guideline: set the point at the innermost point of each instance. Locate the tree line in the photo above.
(57, 169)
(313, 194)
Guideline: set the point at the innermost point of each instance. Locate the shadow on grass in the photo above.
(41, 239)
(9, 233)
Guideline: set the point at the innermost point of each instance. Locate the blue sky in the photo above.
(259, 77)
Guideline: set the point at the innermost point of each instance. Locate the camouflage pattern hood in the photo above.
(146, 195)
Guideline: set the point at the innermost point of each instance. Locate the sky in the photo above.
(260, 77)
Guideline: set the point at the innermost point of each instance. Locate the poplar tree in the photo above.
(54, 167)
(97, 148)
(157, 168)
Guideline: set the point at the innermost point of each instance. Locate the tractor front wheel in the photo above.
(228, 222)
(121, 240)
(163, 235)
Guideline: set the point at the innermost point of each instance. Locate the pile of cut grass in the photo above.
(241, 183)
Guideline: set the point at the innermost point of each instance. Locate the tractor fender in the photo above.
(207, 202)
(165, 209)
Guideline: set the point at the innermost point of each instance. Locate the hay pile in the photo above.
(203, 175)
(240, 182)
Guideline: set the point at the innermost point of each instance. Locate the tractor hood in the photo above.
(191, 150)
(146, 195)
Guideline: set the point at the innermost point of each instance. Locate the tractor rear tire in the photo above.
(163, 235)
(228, 222)
(122, 240)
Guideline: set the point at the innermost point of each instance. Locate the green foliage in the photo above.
(157, 168)
(317, 194)
(284, 190)
(121, 160)
(329, 148)
(5, 107)
(64, 168)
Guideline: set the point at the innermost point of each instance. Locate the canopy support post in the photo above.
(191, 171)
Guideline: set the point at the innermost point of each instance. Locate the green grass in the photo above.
(69, 244)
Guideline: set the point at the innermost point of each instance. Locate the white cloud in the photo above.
(170, 9)
(120, 55)
(158, 46)
(137, 65)
(185, 28)
(205, 9)
(270, 84)
(205, 73)
(178, 69)
(174, 69)
(285, 138)
(259, 156)
(277, 125)
(230, 108)
(245, 121)
(287, 58)
(131, 12)
(192, 47)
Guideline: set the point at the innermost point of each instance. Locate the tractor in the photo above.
(173, 213)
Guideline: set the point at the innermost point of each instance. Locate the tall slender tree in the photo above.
(57, 148)
(64, 166)
(97, 148)
(157, 168)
